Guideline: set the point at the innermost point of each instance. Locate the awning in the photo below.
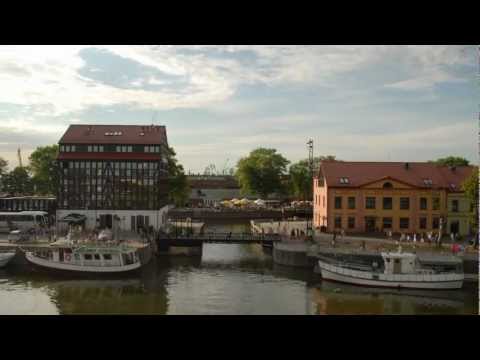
(74, 218)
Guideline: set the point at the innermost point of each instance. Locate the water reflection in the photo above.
(226, 279)
(334, 298)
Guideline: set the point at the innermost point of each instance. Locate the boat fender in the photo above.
(67, 257)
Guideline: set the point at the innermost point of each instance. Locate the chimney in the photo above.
(407, 166)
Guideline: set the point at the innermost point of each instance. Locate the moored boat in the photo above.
(400, 270)
(5, 258)
(87, 258)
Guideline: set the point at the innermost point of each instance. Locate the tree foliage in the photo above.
(301, 182)
(470, 187)
(3, 171)
(18, 182)
(178, 188)
(260, 172)
(44, 170)
(451, 161)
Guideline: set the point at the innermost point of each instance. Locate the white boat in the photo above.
(400, 270)
(86, 258)
(5, 258)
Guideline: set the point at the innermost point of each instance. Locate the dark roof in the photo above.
(126, 134)
(362, 173)
(107, 156)
(213, 182)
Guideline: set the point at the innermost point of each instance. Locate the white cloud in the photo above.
(47, 78)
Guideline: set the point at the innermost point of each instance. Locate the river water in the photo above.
(226, 279)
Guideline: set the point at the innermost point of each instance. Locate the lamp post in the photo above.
(310, 165)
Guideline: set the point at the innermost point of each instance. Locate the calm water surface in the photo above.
(226, 279)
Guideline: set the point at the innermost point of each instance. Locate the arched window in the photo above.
(387, 185)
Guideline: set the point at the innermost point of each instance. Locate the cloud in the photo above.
(50, 75)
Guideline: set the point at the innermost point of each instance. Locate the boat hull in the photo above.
(5, 258)
(336, 273)
(70, 268)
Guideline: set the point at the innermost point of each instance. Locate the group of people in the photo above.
(428, 237)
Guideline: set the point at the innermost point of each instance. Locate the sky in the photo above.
(359, 103)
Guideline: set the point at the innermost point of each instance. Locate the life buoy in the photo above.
(67, 257)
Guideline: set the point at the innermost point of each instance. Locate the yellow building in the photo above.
(369, 197)
(460, 211)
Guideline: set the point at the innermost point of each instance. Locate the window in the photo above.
(96, 256)
(435, 222)
(423, 203)
(454, 205)
(404, 223)
(404, 203)
(87, 256)
(129, 148)
(344, 180)
(370, 203)
(100, 148)
(387, 185)
(338, 222)
(107, 256)
(423, 223)
(338, 202)
(147, 149)
(73, 148)
(435, 203)
(118, 148)
(351, 222)
(351, 202)
(387, 203)
(387, 222)
(428, 182)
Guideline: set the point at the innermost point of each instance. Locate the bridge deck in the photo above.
(224, 238)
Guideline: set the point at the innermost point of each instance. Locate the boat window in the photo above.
(107, 256)
(87, 256)
(97, 256)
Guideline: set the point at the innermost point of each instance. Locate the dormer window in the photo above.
(428, 182)
(344, 180)
(453, 186)
(387, 185)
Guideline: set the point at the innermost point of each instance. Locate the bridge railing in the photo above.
(227, 236)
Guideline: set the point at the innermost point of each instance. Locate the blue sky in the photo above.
(376, 103)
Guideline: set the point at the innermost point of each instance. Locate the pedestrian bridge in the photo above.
(219, 238)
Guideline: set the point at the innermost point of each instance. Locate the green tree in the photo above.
(18, 182)
(470, 186)
(260, 172)
(178, 188)
(301, 182)
(451, 161)
(43, 166)
(3, 171)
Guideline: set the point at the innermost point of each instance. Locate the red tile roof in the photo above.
(362, 173)
(130, 134)
(108, 156)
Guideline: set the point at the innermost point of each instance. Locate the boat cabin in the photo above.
(399, 263)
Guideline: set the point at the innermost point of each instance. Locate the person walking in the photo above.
(408, 238)
(414, 237)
